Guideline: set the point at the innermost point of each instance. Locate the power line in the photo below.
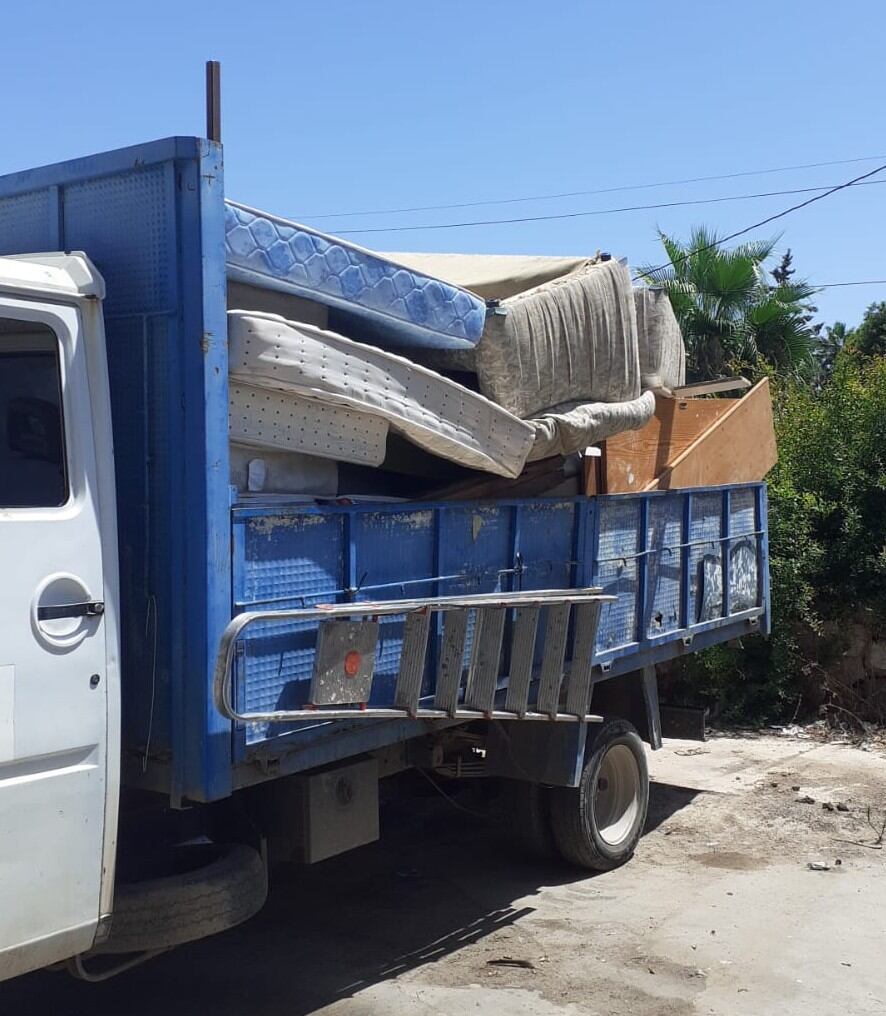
(586, 193)
(599, 211)
(763, 222)
(865, 282)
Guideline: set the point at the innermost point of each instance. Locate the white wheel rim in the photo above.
(616, 800)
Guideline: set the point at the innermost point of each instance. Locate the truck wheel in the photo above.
(597, 824)
(210, 888)
(527, 821)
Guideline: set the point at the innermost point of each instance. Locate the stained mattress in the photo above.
(370, 297)
(563, 331)
(295, 387)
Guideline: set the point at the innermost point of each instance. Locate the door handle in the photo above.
(89, 608)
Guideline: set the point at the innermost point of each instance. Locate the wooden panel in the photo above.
(542, 478)
(633, 459)
(593, 472)
(728, 384)
(739, 447)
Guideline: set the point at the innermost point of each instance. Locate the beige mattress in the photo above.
(295, 387)
(561, 331)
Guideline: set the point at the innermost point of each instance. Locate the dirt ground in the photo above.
(718, 913)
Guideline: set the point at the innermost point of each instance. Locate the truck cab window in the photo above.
(32, 447)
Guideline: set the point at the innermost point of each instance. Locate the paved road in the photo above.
(717, 914)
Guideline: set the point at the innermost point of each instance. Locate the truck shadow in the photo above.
(665, 800)
(440, 879)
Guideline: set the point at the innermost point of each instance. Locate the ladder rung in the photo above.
(452, 655)
(522, 652)
(578, 689)
(551, 678)
(412, 660)
(485, 658)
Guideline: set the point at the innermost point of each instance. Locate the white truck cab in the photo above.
(59, 678)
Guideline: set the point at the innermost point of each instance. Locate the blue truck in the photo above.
(177, 677)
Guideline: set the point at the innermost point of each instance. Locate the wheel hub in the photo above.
(616, 803)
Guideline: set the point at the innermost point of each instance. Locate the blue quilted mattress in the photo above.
(369, 297)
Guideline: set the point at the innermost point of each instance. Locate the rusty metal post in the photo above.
(213, 100)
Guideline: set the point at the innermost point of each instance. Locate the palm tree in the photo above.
(728, 307)
(836, 338)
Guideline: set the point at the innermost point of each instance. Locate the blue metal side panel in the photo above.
(705, 531)
(283, 561)
(297, 555)
(139, 262)
(297, 558)
(150, 217)
(616, 570)
(742, 513)
(762, 516)
(30, 221)
(393, 553)
(476, 549)
(547, 544)
(204, 735)
(665, 567)
(476, 555)
(547, 549)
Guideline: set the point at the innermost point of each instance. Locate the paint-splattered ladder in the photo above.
(469, 671)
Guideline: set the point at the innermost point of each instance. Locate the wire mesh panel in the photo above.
(664, 568)
(705, 557)
(744, 569)
(26, 222)
(287, 561)
(616, 569)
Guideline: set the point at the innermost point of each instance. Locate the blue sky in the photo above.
(339, 107)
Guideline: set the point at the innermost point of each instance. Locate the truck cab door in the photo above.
(58, 641)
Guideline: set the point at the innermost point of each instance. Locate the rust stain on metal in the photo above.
(265, 525)
(400, 520)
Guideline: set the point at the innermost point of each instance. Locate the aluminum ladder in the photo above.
(344, 658)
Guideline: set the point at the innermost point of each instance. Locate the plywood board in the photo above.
(738, 447)
(632, 460)
(593, 475)
(726, 384)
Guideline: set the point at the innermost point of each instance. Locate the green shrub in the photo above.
(827, 539)
(833, 448)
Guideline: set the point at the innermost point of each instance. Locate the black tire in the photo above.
(213, 888)
(526, 819)
(597, 824)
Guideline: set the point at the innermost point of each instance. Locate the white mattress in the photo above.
(263, 417)
(296, 387)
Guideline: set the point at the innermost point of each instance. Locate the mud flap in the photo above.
(550, 753)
